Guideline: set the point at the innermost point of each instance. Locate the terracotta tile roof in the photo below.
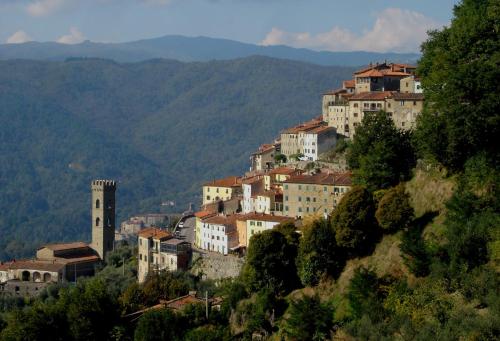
(174, 241)
(398, 96)
(339, 179)
(321, 129)
(53, 266)
(351, 83)
(284, 171)
(204, 214)
(370, 73)
(265, 217)
(65, 246)
(77, 260)
(372, 96)
(232, 181)
(252, 180)
(155, 233)
(228, 220)
(181, 302)
(317, 121)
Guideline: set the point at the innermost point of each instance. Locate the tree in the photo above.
(159, 325)
(307, 319)
(394, 211)
(319, 254)
(354, 222)
(280, 158)
(270, 263)
(364, 294)
(414, 252)
(459, 70)
(380, 154)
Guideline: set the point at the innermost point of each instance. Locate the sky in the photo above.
(332, 25)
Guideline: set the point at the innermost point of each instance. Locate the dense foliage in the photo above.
(160, 128)
(381, 155)
(460, 72)
(394, 210)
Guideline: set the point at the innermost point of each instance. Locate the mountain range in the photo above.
(160, 128)
(190, 49)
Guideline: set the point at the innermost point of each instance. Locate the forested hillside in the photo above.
(158, 127)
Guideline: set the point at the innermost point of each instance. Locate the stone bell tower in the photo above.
(103, 216)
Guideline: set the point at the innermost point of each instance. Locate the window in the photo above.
(286, 197)
(402, 103)
(308, 199)
(140, 256)
(252, 223)
(97, 204)
(355, 105)
(286, 208)
(259, 223)
(300, 186)
(314, 199)
(355, 114)
(208, 197)
(286, 186)
(145, 258)
(379, 105)
(300, 209)
(313, 151)
(300, 198)
(388, 105)
(97, 221)
(325, 189)
(414, 102)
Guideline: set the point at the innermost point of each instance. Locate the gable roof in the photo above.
(65, 246)
(231, 181)
(155, 233)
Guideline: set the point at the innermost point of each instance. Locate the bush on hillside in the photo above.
(318, 256)
(354, 222)
(394, 211)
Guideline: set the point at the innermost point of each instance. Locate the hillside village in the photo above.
(376, 219)
(288, 180)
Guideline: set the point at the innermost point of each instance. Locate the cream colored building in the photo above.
(312, 194)
(221, 189)
(411, 84)
(149, 248)
(199, 218)
(258, 223)
(404, 109)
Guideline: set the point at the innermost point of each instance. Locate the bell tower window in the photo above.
(97, 203)
(97, 221)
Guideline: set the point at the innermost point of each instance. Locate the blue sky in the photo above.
(346, 25)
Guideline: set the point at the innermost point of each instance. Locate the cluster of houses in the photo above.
(66, 261)
(277, 191)
(235, 208)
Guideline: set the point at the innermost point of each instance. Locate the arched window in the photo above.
(97, 204)
(97, 221)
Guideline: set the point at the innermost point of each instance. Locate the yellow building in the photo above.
(221, 189)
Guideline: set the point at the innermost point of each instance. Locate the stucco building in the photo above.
(312, 194)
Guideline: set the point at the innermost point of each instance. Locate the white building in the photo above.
(219, 234)
(317, 141)
(251, 187)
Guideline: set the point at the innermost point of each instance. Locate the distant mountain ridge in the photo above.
(190, 49)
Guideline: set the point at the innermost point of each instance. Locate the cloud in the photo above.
(74, 37)
(38, 8)
(395, 30)
(18, 38)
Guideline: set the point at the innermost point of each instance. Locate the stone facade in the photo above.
(103, 216)
(314, 194)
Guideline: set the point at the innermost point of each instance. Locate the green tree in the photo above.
(270, 263)
(414, 252)
(380, 154)
(319, 255)
(459, 70)
(364, 294)
(159, 325)
(354, 222)
(307, 319)
(280, 158)
(394, 211)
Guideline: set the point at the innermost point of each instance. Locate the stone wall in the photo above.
(215, 266)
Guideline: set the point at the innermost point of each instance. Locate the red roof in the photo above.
(371, 96)
(351, 83)
(232, 181)
(155, 233)
(337, 179)
(264, 217)
(204, 214)
(285, 171)
(65, 246)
